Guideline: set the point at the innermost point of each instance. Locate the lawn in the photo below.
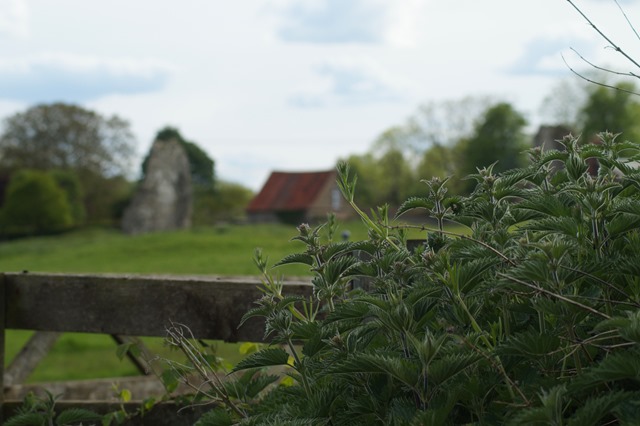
(224, 250)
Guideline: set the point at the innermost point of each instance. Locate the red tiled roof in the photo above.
(286, 191)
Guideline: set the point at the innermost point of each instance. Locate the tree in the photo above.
(616, 111)
(499, 137)
(369, 179)
(71, 139)
(67, 137)
(70, 184)
(435, 123)
(443, 162)
(35, 204)
(201, 165)
(224, 203)
(397, 178)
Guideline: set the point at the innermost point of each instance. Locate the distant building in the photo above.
(298, 197)
(549, 137)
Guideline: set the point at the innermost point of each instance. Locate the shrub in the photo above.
(531, 317)
(224, 203)
(70, 184)
(34, 204)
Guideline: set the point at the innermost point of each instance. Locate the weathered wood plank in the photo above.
(136, 305)
(141, 387)
(162, 414)
(29, 357)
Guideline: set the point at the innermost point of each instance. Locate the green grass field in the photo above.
(210, 251)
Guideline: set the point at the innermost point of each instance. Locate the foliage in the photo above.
(201, 165)
(70, 184)
(36, 411)
(72, 141)
(529, 318)
(35, 204)
(499, 137)
(224, 203)
(451, 139)
(67, 137)
(617, 111)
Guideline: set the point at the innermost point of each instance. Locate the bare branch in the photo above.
(604, 36)
(597, 82)
(627, 19)
(626, 74)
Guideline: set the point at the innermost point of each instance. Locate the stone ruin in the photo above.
(163, 199)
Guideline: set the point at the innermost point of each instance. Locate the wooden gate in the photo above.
(123, 306)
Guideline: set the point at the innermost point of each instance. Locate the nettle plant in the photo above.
(529, 316)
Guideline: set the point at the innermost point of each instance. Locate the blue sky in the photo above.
(291, 84)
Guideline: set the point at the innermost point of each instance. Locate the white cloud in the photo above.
(333, 21)
(542, 56)
(405, 22)
(14, 18)
(66, 77)
(348, 83)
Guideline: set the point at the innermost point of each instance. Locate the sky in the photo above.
(265, 85)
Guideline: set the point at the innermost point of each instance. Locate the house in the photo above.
(298, 197)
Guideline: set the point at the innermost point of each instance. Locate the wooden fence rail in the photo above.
(130, 305)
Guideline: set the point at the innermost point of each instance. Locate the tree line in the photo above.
(63, 166)
(455, 138)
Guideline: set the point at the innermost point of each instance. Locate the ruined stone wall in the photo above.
(163, 200)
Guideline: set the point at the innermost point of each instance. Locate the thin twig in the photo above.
(627, 19)
(601, 281)
(178, 338)
(455, 234)
(604, 36)
(610, 71)
(621, 89)
(557, 296)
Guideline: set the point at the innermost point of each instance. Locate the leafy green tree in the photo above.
(442, 162)
(396, 178)
(224, 203)
(369, 181)
(499, 137)
(71, 139)
(66, 137)
(35, 204)
(70, 184)
(611, 110)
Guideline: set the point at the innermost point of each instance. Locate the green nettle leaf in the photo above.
(342, 248)
(215, 417)
(26, 419)
(415, 203)
(170, 380)
(615, 367)
(400, 369)
(530, 344)
(629, 327)
(296, 258)
(74, 416)
(449, 366)
(594, 410)
(264, 358)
